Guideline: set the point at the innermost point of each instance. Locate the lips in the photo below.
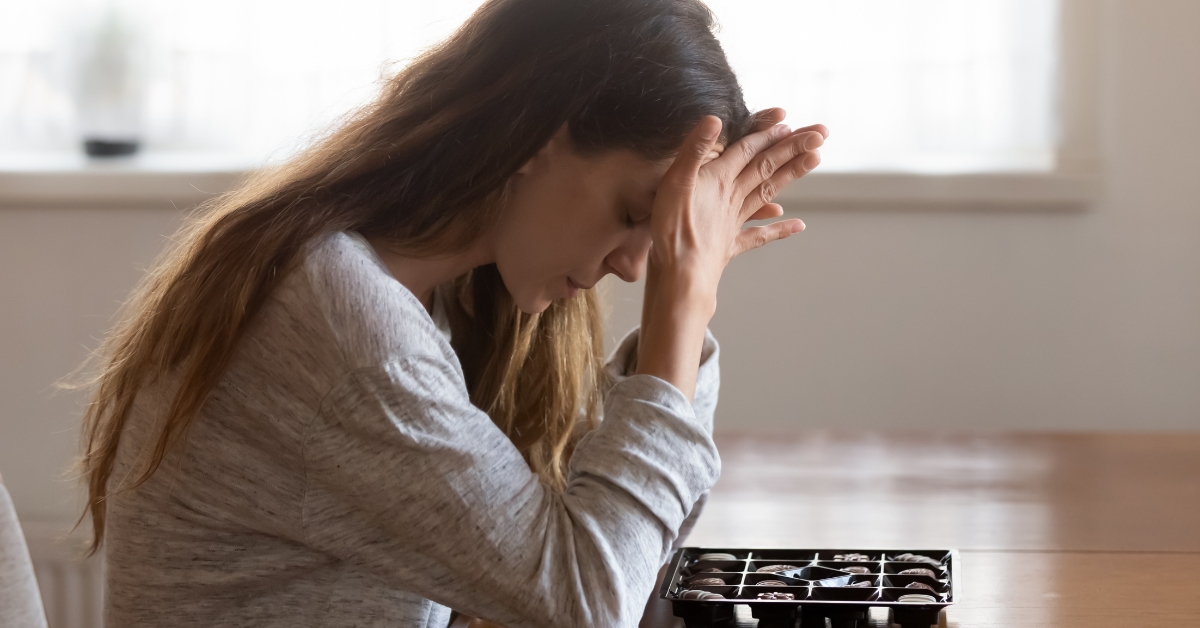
(574, 288)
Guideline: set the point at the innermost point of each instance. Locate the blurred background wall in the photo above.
(914, 318)
(967, 318)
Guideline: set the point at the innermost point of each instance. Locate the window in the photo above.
(931, 86)
(246, 77)
(918, 86)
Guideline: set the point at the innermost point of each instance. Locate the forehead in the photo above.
(628, 162)
(631, 170)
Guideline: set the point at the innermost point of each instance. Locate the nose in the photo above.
(628, 261)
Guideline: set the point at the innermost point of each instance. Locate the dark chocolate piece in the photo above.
(855, 569)
(774, 595)
(863, 584)
(709, 570)
(772, 583)
(919, 571)
(852, 558)
(708, 582)
(775, 568)
(717, 556)
(697, 594)
(917, 558)
(919, 585)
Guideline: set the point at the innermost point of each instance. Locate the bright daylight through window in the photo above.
(926, 86)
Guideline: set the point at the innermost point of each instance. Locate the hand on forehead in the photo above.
(716, 151)
(763, 120)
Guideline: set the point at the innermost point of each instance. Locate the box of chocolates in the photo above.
(785, 586)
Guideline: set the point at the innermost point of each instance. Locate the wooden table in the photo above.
(1055, 530)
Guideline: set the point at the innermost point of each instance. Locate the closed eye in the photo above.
(632, 219)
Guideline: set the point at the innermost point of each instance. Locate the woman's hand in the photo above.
(697, 226)
(703, 202)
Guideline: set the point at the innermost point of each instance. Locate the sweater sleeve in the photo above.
(405, 477)
(620, 366)
(623, 361)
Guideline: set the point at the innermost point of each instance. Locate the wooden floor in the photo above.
(1058, 530)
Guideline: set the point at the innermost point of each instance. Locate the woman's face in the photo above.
(572, 220)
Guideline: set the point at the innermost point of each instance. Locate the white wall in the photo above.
(951, 318)
(63, 274)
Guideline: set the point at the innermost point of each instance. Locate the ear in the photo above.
(559, 142)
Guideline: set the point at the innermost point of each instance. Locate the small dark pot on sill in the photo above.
(110, 148)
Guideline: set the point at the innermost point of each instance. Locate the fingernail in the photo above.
(812, 160)
(813, 141)
(782, 130)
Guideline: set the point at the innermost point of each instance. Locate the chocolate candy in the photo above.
(775, 568)
(774, 595)
(709, 570)
(919, 585)
(916, 598)
(852, 558)
(772, 583)
(717, 556)
(697, 594)
(709, 582)
(855, 569)
(863, 584)
(917, 558)
(919, 571)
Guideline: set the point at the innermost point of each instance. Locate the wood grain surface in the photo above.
(1084, 492)
(1056, 530)
(1054, 589)
(1062, 530)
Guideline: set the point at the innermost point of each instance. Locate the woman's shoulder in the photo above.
(371, 315)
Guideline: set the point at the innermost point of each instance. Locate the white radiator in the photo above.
(72, 586)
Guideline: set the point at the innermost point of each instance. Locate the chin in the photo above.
(530, 299)
(536, 307)
(532, 304)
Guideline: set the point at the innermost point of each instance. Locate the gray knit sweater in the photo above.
(339, 476)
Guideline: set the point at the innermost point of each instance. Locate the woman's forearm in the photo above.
(675, 315)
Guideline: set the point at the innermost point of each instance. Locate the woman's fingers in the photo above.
(763, 121)
(737, 156)
(755, 237)
(791, 159)
(768, 211)
(694, 152)
(768, 118)
(818, 128)
(767, 190)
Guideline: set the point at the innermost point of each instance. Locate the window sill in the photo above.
(1054, 191)
(182, 181)
(152, 180)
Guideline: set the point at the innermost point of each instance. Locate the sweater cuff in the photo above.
(622, 363)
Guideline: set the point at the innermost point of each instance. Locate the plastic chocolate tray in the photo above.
(822, 582)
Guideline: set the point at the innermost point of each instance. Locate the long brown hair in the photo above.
(426, 166)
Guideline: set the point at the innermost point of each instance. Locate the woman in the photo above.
(367, 386)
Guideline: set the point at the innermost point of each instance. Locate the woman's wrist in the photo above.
(679, 293)
(675, 316)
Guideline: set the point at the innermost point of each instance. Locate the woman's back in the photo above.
(338, 475)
